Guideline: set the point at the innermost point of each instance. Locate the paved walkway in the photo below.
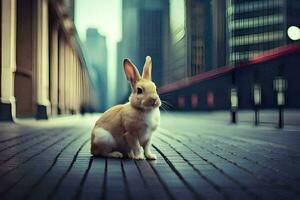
(197, 159)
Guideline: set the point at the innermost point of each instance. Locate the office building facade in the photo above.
(144, 33)
(257, 26)
(42, 71)
(197, 38)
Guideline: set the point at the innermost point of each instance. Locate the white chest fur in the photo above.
(152, 120)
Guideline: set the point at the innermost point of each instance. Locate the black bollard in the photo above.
(280, 117)
(233, 116)
(256, 116)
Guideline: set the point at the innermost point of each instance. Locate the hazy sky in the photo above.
(106, 16)
(102, 14)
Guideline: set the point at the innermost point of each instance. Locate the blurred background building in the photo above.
(197, 36)
(189, 39)
(96, 53)
(43, 71)
(201, 49)
(144, 32)
(219, 45)
(257, 26)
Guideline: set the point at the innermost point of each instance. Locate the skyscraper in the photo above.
(144, 33)
(197, 38)
(257, 26)
(95, 46)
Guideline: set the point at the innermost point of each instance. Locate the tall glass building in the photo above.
(197, 38)
(255, 26)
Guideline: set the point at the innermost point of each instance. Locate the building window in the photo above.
(197, 38)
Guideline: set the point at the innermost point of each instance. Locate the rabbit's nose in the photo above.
(153, 101)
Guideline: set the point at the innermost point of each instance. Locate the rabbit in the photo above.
(126, 130)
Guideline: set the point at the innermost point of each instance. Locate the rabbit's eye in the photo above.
(139, 91)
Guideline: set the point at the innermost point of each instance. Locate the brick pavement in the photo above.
(196, 160)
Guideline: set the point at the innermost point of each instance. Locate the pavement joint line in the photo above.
(226, 153)
(143, 177)
(32, 156)
(195, 194)
(171, 196)
(21, 142)
(27, 195)
(52, 193)
(211, 137)
(160, 180)
(269, 180)
(250, 143)
(83, 179)
(277, 171)
(243, 187)
(3, 193)
(125, 181)
(103, 193)
(16, 137)
(25, 174)
(140, 173)
(244, 157)
(214, 185)
(242, 141)
(27, 148)
(15, 183)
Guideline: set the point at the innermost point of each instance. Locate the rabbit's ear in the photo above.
(147, 69)
(132, 73)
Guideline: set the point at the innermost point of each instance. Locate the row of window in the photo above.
(255, 22)
(197, 38)
(256, 30)
(257, 13)
(244, 55)
(257, 47)
(256, 38)
(197, 59)
(245, 6)
(239, 56)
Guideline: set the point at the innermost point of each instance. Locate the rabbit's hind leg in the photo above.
(104, 144)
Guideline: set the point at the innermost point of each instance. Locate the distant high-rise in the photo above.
(197, 38)
(257, 26)
(144, 33)
(123, 89)
(70, 5)
(96, 49)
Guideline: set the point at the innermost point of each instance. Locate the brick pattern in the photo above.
(55, 163)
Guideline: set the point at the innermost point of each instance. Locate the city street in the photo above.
(225, 74)
(200, 156)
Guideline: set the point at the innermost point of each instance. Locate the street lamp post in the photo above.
(234, 104)
(280, 86)
(257, 102)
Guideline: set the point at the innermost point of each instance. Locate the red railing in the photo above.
(266, 56)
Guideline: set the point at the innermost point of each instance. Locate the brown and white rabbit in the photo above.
(126, 130)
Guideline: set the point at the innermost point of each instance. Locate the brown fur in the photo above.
(131, 125)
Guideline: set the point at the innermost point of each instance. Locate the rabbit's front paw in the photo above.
(136, 156)
(150, 156)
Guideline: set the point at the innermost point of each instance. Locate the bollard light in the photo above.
(257, 102)
(257, 94)
(233, 98)
(234, 104)
(280, 99)
(280, 86)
